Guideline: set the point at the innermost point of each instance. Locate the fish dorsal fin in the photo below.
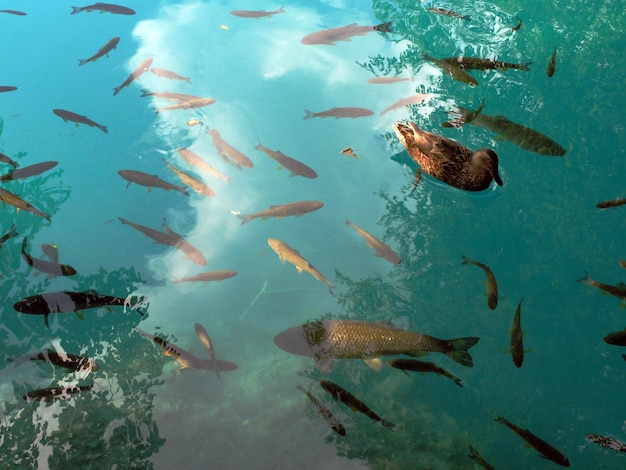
(375, 363)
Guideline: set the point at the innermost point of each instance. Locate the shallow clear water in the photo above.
(538, 233)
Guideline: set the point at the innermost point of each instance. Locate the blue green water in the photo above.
(539, 233)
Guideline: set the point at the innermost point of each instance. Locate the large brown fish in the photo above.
(188, 104)
(104, 8)
(333, 422)
(517, 344)
(186, 359)
(341, 394)
(52, 268)
(382, 250)
(415, 365)
(295, 167)
(170, 75)
(197, 161)
(194, 183)
(256, 13)
(284, 210)
(480, 63)
(103, 51)
(150, 181)
(618, 290)
(286, 253)
(78, 119)
(619, 201)
(492, 285)
(226, 150)
(64, 302)
(49, 394)
(337, 113)
(28, 171)
(454, 70)
(60, 359)
(541, 446)
(325, 340)
(204, 338)
(525, 137)
(617, 338)
(19, 203)
(135, 74)
(344, 33)
(207, 277)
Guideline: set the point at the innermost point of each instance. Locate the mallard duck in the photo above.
(449, 161)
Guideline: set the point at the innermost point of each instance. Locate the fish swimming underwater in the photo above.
(492, 285)
(143, 66)
(19, 203)
(617, 338)
(103, 51)
(448, 160)
(256, 13)
(349, 112)
(517, 344)
(104, 8)
(479, 63)
(479, 459)
(150, 181)
(618, 290)
(78, 119)
(68, 361)
(169, 74)
(28, 171)
(12, 232)
(607, 442)
(415, 365)
(619, 201)
(325, 340)
(452, 14)
(382, 250)
(344, 33)
(204, 338)
(49, 394)
(52, 268)
(283, 210)
(207, 277)
(194, 183)
(552, 64)
(226, 150)
(295, 167)
(333, 422)
(453, 69)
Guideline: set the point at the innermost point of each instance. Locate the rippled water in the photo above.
(538, 233)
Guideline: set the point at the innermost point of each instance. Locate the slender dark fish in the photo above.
(51, 268)
(479, 459)
(341, 394)
(517, 345)
(49, 394)
(552, 65)
(492, 285)
(6, 88)
(460, 119)
(617, 338)
(349, 112)
(620, 201)
(454, 70)
(478, 63)
(607, 442)
(64, 302)
(415, 365)
(256, 13)
(350, 339)
(283, 210)
(78, 119)
(150, 181)
(141, 68)
(6, 159)
(19, 203)
(104, 8)
(11, 233)
(518, 25)
(28, 171)
(186, 359)
(618, 290)
(103, 51)
(203, 336)
(68, 361)
(541, 446)
(382, 250)
(453, 14)
(333, 422)
(295, 167)
(13, 12)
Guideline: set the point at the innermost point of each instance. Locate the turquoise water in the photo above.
(538, 233)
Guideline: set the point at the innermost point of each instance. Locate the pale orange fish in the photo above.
(409, 100)
(195, 184)
(197, 161)
(344, 33)
(141, 68)
(387, 80)
(225, 150)
(103, 51)
(294, 166)
(206, 277)
(349, 151)
(166, 95)
(189, 104)
(283, 210)
(78, 119)
(382, 250)
(204, 338)
(339, 113)
(169, 74)
(256, 13)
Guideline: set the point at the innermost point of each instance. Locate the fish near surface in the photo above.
(382, 250)
(204, 338)
(479, 459)
(344, 33)
(333, 422)
(492, 285)
(409, 100)
(525, 137)
(28, 171)
(104, 8)
(191, 251)
(196, 160)
(619, 201)
(256, 13)
(415, 365)
(454, 70)
(135, 74)
(552, 64)
(480, 63)
(286, 253)
(194, 183)
(68, 361)
(103, 51)
(226, 150)
(170, 75)
(452, 14)
(342, 395)
(6, 159)
(207, 277)
(12, 232)
(616, 339)
(283, 210)
(618, 290)
(52, 268)
(541, 446)
(49, 394)
(607, 442)
(517, 344)
(325, 340)
(150, 181)
(349, 112)
(19, 203)
(295, 167)
(189, 104)
(78, 119)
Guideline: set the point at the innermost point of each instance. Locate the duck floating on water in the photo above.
(449, 161)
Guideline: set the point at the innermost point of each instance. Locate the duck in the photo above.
(447, 160)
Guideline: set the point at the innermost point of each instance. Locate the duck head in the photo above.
(487, 159)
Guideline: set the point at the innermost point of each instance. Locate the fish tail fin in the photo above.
(259, 146)
(524, 66)
(76, 10)
(459, 349)
(82, 61)
(384, 27)
(457, 381)
(586, 280)
(117, 89)
(103, 128)
(145, 93)
(244, 218)
(309, 114)
(466, 260)
(281, 10)
(466, 17)
(388, 424)
(182, 190)
(330, 289)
